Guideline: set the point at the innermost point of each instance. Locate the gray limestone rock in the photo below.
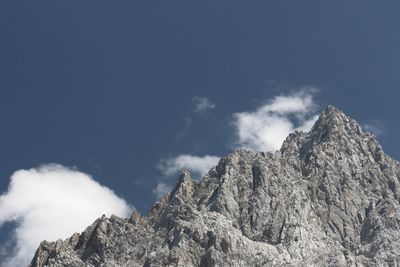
(329, 197)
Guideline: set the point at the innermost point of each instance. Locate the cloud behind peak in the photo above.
(52, 202)
(265, 128)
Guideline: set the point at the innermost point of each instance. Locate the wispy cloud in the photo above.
(161, 189)
(192, 116)
(171, 167)
(202, 104)
(52, 202)
(197, 165)
(265, 128)
(375, 127)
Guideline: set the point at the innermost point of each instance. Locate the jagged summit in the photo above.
(332, 121)
(328, 197)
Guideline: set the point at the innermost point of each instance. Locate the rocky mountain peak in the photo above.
(334, 136)
(333, 123)
(328, 197)
(185, 185)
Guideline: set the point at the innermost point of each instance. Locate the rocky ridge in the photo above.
(328, 197)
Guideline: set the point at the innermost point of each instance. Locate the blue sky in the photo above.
(113, 89)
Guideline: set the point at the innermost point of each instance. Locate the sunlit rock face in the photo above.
(329, 197)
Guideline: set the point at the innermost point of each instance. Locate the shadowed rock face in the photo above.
(329, 197)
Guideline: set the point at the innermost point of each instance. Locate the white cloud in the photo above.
(306, 125)
(202, 104)
(53, 202)
(162, 189)
(375, 127)
(266, 128)
(171, 167)
(198, 166)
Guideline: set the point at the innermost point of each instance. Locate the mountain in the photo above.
(328, 197)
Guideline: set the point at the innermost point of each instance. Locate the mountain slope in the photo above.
(329, 197)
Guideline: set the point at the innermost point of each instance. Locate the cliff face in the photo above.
(329, 197)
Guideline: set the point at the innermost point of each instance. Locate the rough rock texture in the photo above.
(329, 197)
